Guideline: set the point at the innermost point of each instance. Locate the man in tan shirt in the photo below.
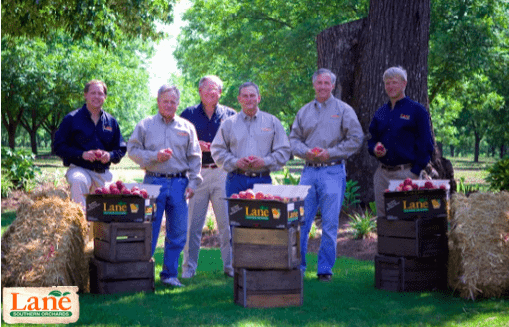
(250, 144)
(167, 147)
(325, 133)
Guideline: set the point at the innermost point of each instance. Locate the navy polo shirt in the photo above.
(406, 133)
(207, 128)
(78, 133)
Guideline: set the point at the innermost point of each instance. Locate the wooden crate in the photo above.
(254, 248)
(268, 288)
(403, 274)
(121, 242)
(108, 277)
(423, 237)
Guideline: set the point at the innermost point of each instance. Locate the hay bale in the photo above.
(45, 245)
(479, 245)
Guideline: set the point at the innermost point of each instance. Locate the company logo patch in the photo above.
(41, 305)
(182, 133)
(107, 128)
(334, 116)
(266, 129)
(405, 117)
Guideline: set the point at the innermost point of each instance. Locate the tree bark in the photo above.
(477, 138)
(395, 33)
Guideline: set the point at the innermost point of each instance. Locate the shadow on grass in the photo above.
(350, 299)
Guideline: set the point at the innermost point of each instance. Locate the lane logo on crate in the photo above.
(41, 305)
(259, 213)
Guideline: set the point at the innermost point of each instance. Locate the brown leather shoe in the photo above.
(325, 278)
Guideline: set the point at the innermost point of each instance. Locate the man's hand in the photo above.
(92, 155)
(243, 163)
(204, 146)
(164, 155)
(105, 157)
(312, 154)
(189, 193)
(323, 156)
(379, 150)
(256, 162)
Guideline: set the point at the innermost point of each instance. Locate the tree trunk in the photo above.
(451, 148)
(502, 151)
(476, 146)
(395, 33)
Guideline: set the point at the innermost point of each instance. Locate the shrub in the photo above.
(7, 184)
(363, 224)
(351, 194)
(498, 175)
(20, 167)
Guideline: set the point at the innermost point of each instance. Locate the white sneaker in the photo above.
(188, 274)
(172, 281)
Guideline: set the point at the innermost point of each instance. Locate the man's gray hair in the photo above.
(213, 79)
(324, 71)
(248, 84)
(168, 88)
(395, 71)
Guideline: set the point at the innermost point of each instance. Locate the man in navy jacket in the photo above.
(401, 137)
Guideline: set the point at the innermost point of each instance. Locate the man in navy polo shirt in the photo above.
(206, 118)
(400, 136)
(88, 140)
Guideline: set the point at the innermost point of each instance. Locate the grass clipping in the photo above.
(479, 245)
(45, 245)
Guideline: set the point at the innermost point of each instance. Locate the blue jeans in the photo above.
(171, 200)
(236, 182)
(327, 190)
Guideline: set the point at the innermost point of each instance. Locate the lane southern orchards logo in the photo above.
(41, 305)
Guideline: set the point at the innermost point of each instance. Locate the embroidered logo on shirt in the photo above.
(406, 117)
(107, 128)
(182, 134)
(334, 116)
(266, 129)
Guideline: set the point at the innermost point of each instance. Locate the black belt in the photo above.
(98, 170)
(149, 173)
(211, 166)
(396, 168)
(323, 164)
(252, 173)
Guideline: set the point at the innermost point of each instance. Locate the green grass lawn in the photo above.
(349, 300)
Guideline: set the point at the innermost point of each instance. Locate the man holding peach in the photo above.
(401, 137)
(88, 140)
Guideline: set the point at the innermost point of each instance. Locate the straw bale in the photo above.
(45, 246)
(479, 245)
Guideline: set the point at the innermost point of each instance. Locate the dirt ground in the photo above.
(362, 249)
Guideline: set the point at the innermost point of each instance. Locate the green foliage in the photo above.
(363, 224)
(289, 178)
(498, 175)
(461, 187)
(352, 194)
(271, 43)
(7, 184)
(107, 22)
(20, 167)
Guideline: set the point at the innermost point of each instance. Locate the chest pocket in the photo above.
(265, 135)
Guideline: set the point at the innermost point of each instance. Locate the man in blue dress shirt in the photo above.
(206, 118)
(88, 140)
(400, 136)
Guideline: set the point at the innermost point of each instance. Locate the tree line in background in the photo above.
(269, 42)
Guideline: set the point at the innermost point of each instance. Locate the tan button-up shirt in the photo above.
(153, 134)
(241, 136)
(332, 125)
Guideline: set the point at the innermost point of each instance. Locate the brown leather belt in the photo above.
(396, 168)
(211, 166)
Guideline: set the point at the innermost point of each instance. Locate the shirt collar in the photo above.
(163, 120)
(244, 116)
(319, 105)
(87, 112)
